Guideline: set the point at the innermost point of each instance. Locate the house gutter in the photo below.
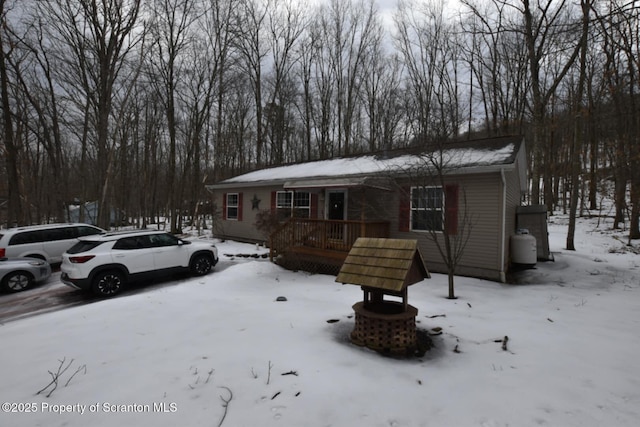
(503, 276)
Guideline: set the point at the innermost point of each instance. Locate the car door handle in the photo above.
(119, 256)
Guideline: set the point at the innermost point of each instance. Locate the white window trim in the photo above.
(292, 205)
(307, 207)
(279, 206)
(236, 205)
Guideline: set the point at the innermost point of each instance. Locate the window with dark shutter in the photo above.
(429, 208)
(231, 206)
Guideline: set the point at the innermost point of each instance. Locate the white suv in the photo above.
(46, 242)
(105, 263)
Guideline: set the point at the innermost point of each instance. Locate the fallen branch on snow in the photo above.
(55, 377)
(225, 404)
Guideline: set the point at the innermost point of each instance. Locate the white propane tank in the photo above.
(523, 248)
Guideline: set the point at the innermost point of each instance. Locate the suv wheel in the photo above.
(17, 281)
(108, 283)
(201, 264)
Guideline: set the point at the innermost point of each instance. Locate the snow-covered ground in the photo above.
(220, 350)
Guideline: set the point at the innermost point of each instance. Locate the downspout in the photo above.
(503, 276)
(363, 229)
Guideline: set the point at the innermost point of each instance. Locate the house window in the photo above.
(293, 204)
(232, 205)
(427, 208)
(302, 205)
(284, 200)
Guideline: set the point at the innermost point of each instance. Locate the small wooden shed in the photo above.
(383, 266)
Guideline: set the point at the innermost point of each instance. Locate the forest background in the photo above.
(136, 104)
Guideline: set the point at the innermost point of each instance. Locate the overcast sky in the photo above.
(387, 7)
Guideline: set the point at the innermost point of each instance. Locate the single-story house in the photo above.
(468, 190)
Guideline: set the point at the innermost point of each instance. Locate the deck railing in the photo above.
(329, 235)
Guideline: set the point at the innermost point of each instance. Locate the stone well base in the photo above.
(385, 326)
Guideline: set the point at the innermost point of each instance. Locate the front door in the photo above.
(336, 210)
(337, 205)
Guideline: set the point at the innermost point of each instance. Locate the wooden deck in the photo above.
(310, 245)
(319, 253)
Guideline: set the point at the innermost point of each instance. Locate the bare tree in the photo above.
(546, 25)
(170, 29)
(217, 27)
(497, 65)
(306, 52)
(439, 206)
(596, 94)
(382, 101)
(37, 84)
(323, 88)
(621, 28)
(351, 36)
(576, 145)
(426, 43)
(285, 23)
(251, 41)
(15, 186)
(198, 98)
(98, 37)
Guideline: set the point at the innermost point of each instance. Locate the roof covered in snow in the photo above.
(455, 157)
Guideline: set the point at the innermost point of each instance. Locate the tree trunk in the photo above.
(451, 278)
(621, 177)
(634, 226)
(15, 211)
(576, 146)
